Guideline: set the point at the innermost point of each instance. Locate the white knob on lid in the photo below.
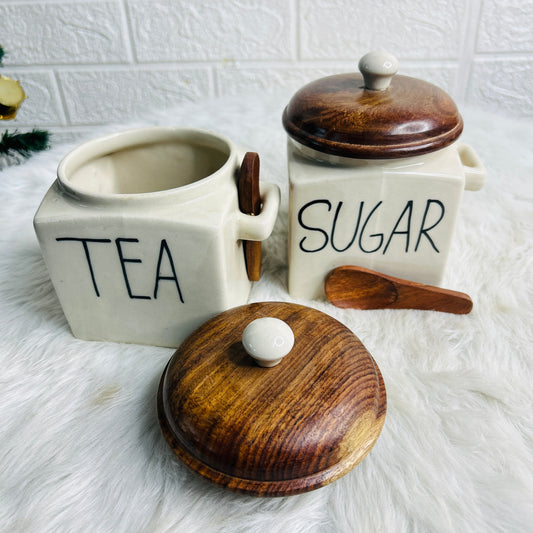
(377, 69)
(267, 340)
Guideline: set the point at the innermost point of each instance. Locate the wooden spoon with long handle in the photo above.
(250, 204)
(360, 288)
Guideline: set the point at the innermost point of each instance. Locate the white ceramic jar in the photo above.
(376, 176)
(142, 234)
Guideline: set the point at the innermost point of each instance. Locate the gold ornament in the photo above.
(11, 97)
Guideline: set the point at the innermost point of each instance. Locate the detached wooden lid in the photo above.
(272, 431)
(376, 115)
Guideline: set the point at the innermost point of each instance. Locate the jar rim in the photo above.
(145, 136)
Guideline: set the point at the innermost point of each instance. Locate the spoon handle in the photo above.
(360, 288)
(250, 204)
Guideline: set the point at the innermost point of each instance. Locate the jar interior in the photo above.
(148, 167)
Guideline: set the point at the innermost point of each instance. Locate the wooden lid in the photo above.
(342, 115)
(272, 431)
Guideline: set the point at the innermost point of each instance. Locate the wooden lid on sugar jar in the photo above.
(373, 115)
(271, 430)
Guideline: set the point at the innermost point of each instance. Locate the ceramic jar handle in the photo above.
(472, 166)
(267, 340)
(259, 227)
(377, 69)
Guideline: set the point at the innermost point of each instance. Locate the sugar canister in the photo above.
(376, 175)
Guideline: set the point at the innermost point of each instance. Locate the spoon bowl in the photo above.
(360, 288)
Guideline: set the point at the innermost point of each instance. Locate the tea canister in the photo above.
(376, 175)
(143, 236)
(271, 399)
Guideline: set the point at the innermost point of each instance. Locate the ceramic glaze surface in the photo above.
(142, 232)
(393, 216)
(267, 340)
(168, 164)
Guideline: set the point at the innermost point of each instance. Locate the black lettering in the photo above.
(319, 230)
(123, 262)
(334, 226)
(87, 255)
(424, 231)
(164, 248)
(380, 235)
(408, 208)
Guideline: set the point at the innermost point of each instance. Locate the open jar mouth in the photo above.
(145, 161)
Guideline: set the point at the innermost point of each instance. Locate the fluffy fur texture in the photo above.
(80, 445)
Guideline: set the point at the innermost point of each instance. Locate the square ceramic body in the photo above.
(395, 216)
(142, 234)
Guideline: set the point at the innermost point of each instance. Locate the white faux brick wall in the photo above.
(89, 63)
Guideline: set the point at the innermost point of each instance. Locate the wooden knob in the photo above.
(377, 69)
(268, 340)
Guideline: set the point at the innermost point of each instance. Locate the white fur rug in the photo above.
(80, 445)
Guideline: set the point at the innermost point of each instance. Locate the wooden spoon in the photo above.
(360, 288)
(250, 204)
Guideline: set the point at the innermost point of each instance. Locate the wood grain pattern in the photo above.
(272, 431)
(250, 204)
(337, 115)
(360, 288)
